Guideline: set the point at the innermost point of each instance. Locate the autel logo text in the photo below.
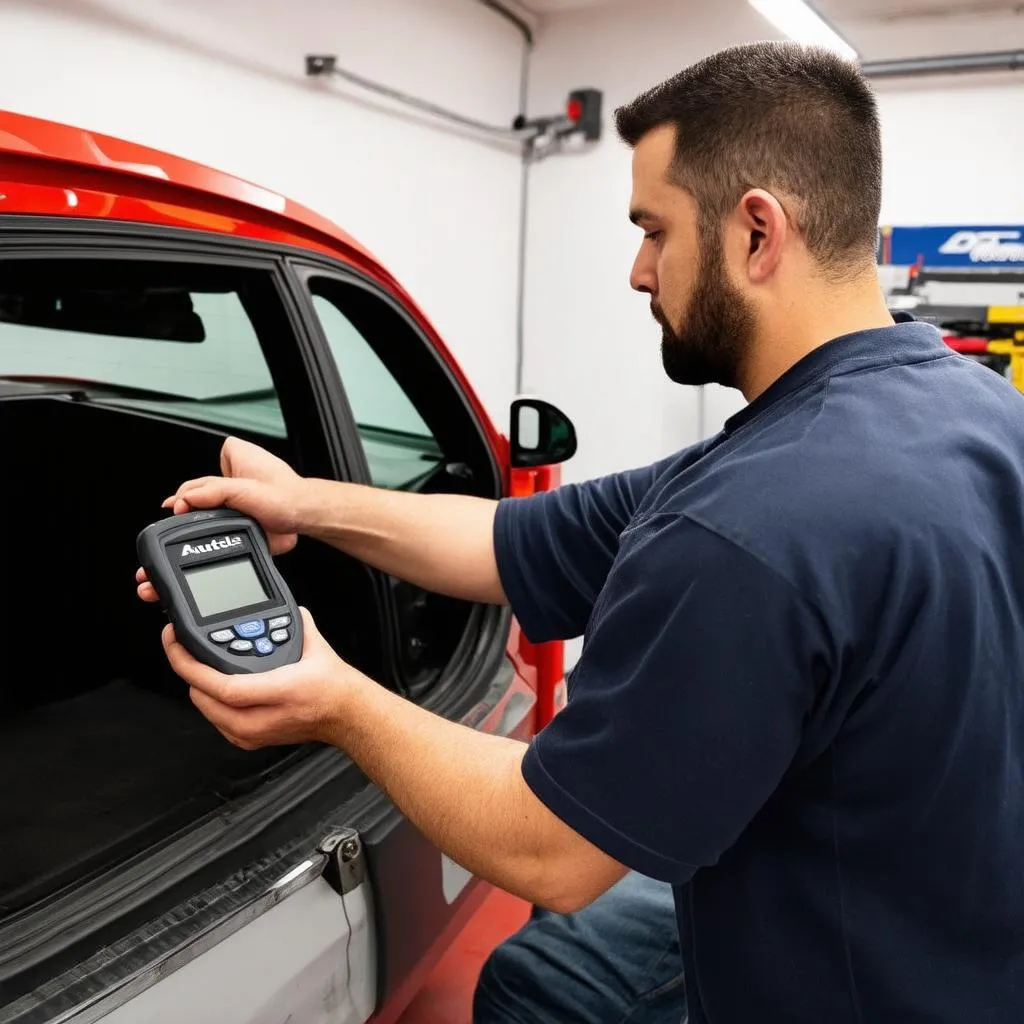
(211, 546)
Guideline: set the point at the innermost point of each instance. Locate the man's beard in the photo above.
(716, 330)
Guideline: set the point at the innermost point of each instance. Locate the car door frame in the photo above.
(412, 880)
(122, 899)
(496, 700)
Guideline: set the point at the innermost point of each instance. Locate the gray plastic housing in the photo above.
(171, 549)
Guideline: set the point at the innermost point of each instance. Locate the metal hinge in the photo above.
(346, 862)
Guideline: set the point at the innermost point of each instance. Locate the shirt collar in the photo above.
(908, 340)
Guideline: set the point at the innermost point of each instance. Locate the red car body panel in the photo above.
(55, 170)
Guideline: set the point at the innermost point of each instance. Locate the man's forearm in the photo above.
(465, 792)
(441, 542)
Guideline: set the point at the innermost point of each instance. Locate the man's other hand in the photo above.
(255, 483)
(289, 705)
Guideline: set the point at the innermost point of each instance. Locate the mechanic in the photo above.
(800, 695)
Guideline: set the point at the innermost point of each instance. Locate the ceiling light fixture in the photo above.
(802, 23)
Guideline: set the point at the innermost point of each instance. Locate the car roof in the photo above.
(127, 168)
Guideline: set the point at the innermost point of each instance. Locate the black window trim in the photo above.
(294, 390)
(33, 231)
(306, 267)
(486, 626)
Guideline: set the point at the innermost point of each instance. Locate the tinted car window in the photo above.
(141, 333)
(376, 399)
(400, 448)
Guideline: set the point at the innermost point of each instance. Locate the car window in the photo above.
(400, 448)
(142, 334)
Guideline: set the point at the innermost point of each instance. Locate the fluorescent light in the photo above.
(803, 24)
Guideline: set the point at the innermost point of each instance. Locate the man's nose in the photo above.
(642, 277)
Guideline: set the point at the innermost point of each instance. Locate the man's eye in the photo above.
(653, 235)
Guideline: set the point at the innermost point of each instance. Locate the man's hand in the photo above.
(289, 705)
(255, 483)
(463, 789)
(440, 542)
(252, 482)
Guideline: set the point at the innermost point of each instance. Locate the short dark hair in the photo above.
(792, 119)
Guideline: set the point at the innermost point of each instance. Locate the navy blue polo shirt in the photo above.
(801, 693)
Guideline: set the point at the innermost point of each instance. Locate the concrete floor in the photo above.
(447, 996)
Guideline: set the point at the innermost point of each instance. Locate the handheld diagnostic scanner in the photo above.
(218, 584)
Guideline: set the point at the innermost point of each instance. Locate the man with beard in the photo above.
(800, 700)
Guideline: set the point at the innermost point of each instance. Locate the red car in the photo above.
(149, 871)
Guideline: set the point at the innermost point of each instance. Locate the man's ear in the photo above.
(765, 227)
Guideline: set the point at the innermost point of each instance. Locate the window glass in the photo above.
(400, 449)
(141, 333)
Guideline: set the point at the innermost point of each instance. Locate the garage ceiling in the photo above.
(886, 10)
(903, 10)
(887, 29)
(553, 6)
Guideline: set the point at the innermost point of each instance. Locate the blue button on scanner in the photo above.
(250, 629)
(264, 646)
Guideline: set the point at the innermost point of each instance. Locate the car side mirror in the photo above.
(541, 434)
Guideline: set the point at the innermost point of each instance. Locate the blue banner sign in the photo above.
(954, 246)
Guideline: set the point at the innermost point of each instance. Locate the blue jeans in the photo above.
(615, 962)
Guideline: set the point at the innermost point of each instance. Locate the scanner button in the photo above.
(222, 636)
(279, 636)
(264, 646)
(250, 629)
(280, 622)
(241, 646)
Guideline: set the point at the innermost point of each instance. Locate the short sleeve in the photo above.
(688, 702)
(554, 549)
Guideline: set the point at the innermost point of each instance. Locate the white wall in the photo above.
(591, 344)
(952, 146)
(953, 150)
(222, 82)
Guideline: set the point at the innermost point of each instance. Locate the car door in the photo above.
(160, 934)
(419, 430)
(266, 880)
